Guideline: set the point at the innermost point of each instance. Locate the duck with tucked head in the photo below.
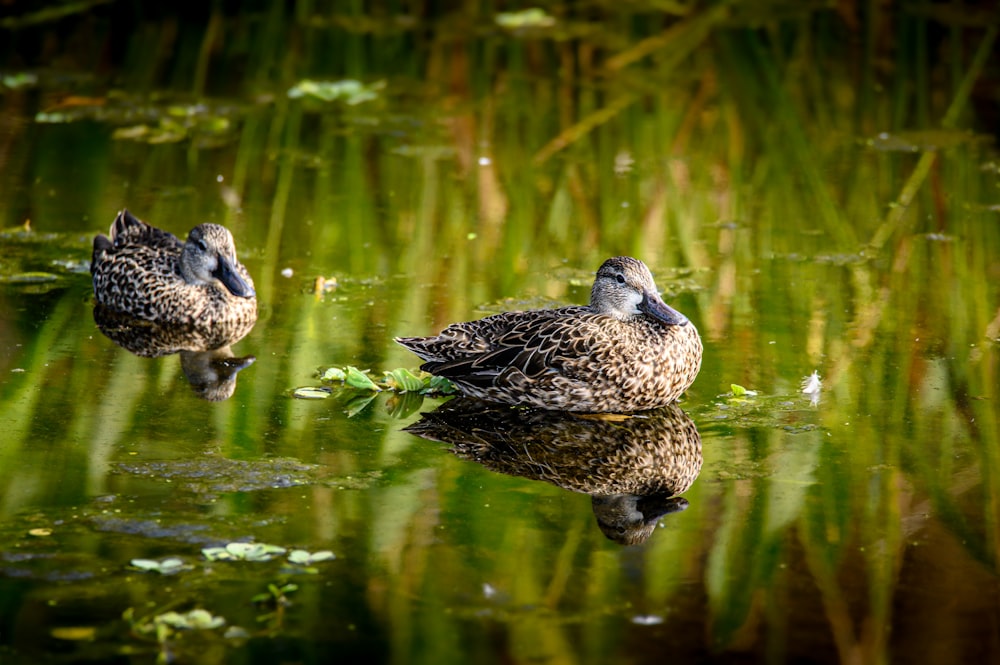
(626, 351)
(198, 287)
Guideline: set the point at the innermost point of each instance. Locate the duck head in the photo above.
(209, 256)
(624, 289)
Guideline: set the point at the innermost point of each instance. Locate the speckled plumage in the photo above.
(633, 467)
(626, 351)
(197, 287)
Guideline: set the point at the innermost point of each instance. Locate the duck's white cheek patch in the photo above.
(635, 299)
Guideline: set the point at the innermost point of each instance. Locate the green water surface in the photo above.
(816, 189)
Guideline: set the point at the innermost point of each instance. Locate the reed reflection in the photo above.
(212, 373)
(633, 467)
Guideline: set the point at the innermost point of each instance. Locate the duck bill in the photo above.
(652, 305)
(232, 280)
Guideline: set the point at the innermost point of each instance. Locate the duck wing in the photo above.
(529, 344)
(127, 229)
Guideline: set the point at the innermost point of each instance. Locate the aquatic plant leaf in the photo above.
(403, 380)
(254, 551)
(358, 379)
(304, 557)
(333, 374)
(236, 633)
(311, 392)
(216, 554)
(533, 17)
(349, 91)
(740, 391)
(164, 567)
(196, 619)
(145, 564)
(243, 552)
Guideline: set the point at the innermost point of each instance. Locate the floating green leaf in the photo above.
(243, 552)
(349, 91)
(165, 567)
(196, 619)
(526, 18)
(360, 380)
(310, 392)
(333, 374)
(403, 380)
(737, 389)
(306, 558)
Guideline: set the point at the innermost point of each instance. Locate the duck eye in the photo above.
(202, 245)
(620, 278)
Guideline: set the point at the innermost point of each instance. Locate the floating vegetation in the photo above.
(348, 91)
(740, 391)
(167, 566)
(525, 19)
(260, 552)
(153, 122)
(311, 392)
(358, 389)
(745, 408)
(399, 380)
(214, 474)
(166, 626)
(306, 558)
(303, 561)
(19, 80)
(243, 552)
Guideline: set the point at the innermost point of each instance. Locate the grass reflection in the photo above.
(738, 152)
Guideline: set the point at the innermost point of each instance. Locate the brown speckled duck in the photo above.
(626, 351)
(197, 287)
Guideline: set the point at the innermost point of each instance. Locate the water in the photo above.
(861, 528)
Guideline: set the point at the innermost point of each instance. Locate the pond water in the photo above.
(388, 174)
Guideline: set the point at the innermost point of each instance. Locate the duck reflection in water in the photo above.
(211, 372)
(633, 467)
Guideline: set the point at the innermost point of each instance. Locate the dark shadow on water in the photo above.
(211, 372)
(633, 467)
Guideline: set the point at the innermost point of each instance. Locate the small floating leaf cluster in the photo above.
(252, 552)
(399, 380)
(163, 627)
(348, 91)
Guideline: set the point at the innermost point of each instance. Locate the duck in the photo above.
(197, 288)
(626, 351)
